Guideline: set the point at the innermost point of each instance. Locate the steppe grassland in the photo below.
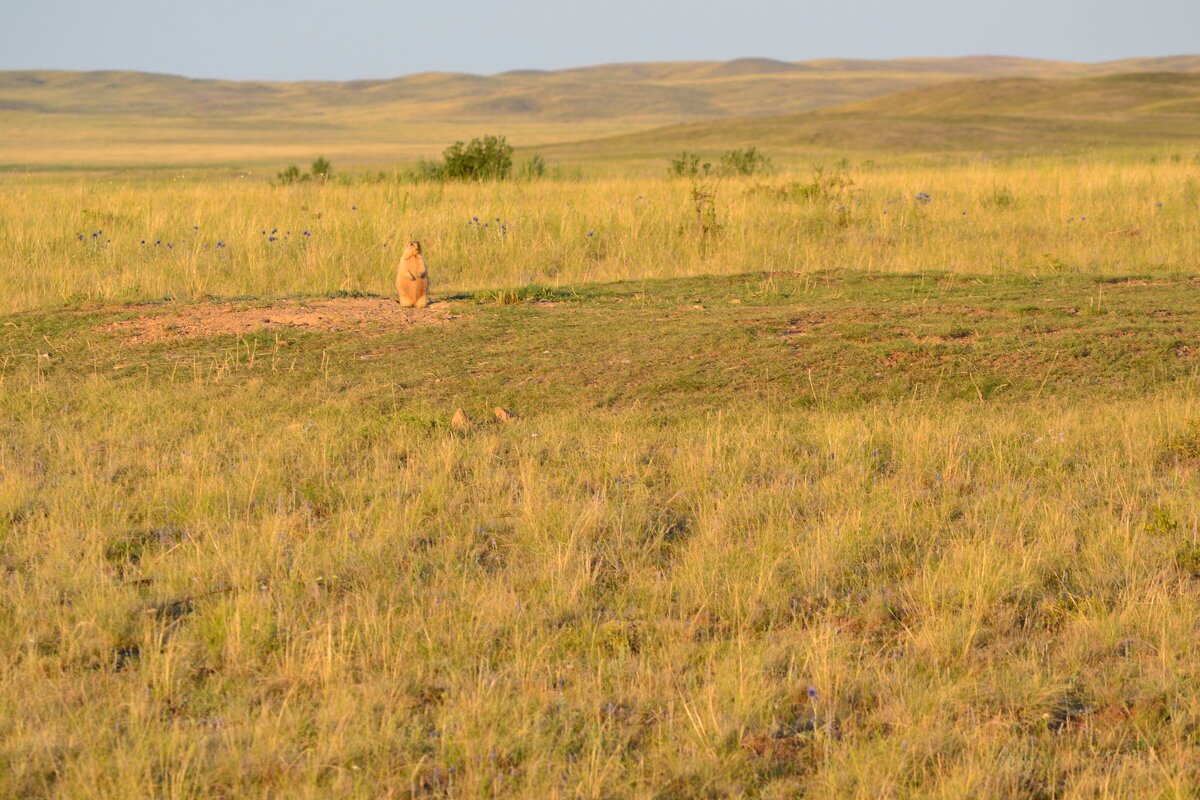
(195, 234)
(253, 597)
(264, 566)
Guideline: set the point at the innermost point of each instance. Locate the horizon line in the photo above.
(602, 65)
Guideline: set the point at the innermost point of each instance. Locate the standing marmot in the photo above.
(412, 281)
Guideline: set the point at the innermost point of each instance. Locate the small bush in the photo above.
(733, 162)
(533, 169)
(1000, 197)
(321, 170)
(1161, 523)
(686, 165)
(291, 175)
(489, 158)
(745, 162)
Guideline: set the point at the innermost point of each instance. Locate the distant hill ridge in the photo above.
(1121, 94)
(985, 115)
(667, 91)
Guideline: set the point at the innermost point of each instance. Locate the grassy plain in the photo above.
(849, 536)
(79, 240)
(880, 481)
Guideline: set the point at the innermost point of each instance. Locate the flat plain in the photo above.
(874, 475)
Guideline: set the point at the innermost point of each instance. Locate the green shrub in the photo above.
(745, 162)
(733, 162)
(686, 165)
(532, 169)
(321, 170)
(489, 158)
(291, 175)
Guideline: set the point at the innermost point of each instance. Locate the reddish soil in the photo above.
(156, 323)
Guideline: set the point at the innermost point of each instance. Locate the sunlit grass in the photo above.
(255, 595)
(198, 235)
(842, 533)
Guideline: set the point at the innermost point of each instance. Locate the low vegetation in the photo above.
(321, 170)
(72, 241)
(839, 474)
(744, 162)
(831, 535)
(489, 158)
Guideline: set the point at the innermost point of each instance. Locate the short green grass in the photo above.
(765, 535)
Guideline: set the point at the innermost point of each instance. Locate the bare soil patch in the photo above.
(374, 315)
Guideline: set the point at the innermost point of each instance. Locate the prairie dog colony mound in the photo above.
(159, 322)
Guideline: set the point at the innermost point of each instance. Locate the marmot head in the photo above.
(411, 249)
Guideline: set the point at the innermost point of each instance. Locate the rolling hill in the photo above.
(995, 115)
(674, 90)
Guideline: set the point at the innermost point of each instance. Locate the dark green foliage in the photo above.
(745, 162)
(489, 158)
(291, 175)
(686, 165)
(321, 170)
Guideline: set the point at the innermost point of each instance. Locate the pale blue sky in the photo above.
(347, 39)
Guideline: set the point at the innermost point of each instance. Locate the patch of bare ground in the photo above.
(800, 326)
(157, 323)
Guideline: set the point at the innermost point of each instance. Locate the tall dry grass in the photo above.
(253, 597)
(223, 580)
(209, 235)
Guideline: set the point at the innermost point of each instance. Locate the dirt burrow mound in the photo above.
(156, 323)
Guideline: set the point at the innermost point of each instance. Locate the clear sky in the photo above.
(347, 39)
